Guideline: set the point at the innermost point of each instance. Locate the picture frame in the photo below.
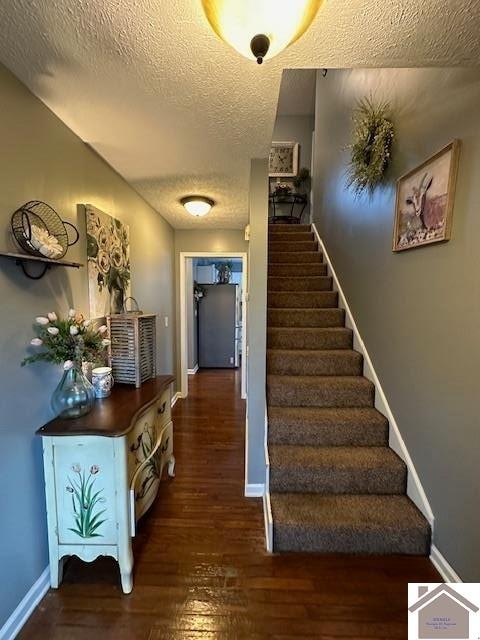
(108, 262)
(424, 201)
(283, 160)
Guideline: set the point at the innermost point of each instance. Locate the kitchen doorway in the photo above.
(212, 313)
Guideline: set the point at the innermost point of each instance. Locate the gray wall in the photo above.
(257, 320)
(41, 158)
(418, 311)
(192, 240)
(297, 129)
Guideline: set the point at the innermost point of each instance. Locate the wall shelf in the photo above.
(22, 259)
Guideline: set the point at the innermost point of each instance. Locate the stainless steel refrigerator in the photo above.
(218, 326)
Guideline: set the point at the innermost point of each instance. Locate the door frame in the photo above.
(184, 255)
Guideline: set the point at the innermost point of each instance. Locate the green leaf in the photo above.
(94, 528)
(95, 518)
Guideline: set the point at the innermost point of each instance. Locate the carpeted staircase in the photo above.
(335, 485)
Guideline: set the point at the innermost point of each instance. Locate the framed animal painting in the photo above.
(283, 160)
(424, 204)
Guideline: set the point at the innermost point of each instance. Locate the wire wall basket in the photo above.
(39, 230)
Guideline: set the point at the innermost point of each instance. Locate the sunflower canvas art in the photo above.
(108, 256)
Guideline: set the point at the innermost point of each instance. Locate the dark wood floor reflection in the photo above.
(201, 570)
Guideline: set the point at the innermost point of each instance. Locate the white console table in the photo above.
(102, 473)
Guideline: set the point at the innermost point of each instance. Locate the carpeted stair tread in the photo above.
(291, 246)
(336, 486)
(307, 283)
(365, 524)
(327, 427)
(288, 228)
(285, 257)
(305, 318)
(309, 338)
(302, 299)
(319, 391)
(325, 362)
(296, 236)
(336, 470)
(297, 270)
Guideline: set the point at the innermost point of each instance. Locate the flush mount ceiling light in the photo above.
(260, 27)
(197, 205)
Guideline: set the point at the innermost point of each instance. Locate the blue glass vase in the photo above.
(74, 396)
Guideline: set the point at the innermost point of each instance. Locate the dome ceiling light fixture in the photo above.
(260, 27)
(197, 205)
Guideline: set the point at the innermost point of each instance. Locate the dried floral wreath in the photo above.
(373, 136)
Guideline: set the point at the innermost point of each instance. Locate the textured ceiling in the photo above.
(152, 89)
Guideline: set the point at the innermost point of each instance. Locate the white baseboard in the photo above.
(254, 490)
(447, 572)
(268, 519)
(176, 397)
(24, 610)
(415, 490)
(267, 506)
(192, 372)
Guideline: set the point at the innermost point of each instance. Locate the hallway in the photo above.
(201, 570)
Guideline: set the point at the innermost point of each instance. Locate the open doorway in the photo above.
(212, 314)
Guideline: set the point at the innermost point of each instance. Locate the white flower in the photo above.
(52, 316)
(87, 323)
(53, 331)
(68, 364)
(71, 313)
(45, 243)
(106, 342)
(42, 320)
(73, 330)
(102, 329)
(36, 342)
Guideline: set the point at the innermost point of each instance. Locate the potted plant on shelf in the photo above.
(70, 342)
(301, 179)
(224, 272)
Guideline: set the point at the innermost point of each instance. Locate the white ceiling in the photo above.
(175, 110)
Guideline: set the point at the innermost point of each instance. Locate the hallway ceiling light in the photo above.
(197, 205)
(260, 27)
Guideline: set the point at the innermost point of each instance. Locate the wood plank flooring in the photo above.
(201, 570)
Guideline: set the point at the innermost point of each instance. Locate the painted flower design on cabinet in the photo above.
(86, 501)
(142, 451)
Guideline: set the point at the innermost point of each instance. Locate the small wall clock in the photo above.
(283, 160)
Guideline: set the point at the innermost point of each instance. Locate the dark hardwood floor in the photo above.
(201, 570)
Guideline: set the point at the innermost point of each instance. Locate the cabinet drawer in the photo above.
(145, 483)
(141, 439)
(143, 436)
(163, 407)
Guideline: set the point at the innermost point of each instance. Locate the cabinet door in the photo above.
(85, 490)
